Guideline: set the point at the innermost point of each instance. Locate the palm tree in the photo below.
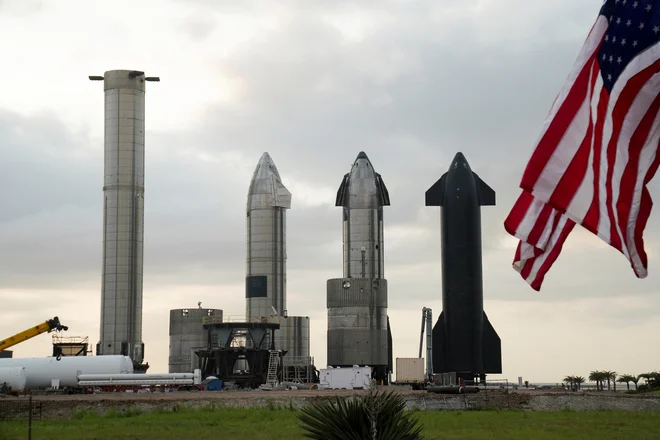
(646, 376)
(373, 416)
(611, 375)
(598, 377)
(569, 380)
(626, 378)
(634, 379)
(579, 380)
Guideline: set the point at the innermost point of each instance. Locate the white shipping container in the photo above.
(14, 377)
(409, 370)
(345, 378)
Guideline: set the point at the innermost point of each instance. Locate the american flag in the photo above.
(598, 146)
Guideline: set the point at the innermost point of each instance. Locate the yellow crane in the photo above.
(44, 327)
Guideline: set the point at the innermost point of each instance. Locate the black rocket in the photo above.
(464, 341)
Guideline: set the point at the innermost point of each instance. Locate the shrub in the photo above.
(375, 416)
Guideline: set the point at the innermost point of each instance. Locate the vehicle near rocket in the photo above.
(358, 326)
(464, 341)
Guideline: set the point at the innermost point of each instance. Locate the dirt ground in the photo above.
(64, 406)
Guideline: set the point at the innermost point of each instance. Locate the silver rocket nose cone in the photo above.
(363, 187)
(266, 187)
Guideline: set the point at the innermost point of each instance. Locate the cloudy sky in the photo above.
(313, 83)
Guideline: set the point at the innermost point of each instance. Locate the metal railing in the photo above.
(241, 318)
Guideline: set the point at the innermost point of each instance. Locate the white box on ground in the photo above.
(347, 378)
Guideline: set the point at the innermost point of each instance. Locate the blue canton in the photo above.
(634, 26)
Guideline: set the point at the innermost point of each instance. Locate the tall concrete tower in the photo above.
(265, 280)
(123, 214)
(358, 325)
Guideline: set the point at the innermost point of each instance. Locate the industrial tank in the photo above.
(357, 322)
(187, 334)
(293, 335)
(14, 377)
(41, 371)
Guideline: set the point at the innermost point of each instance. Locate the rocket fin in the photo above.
(439, 344)
(485, 192)
(389, 347)
(341, 192)
(435, 196)
(492, 349)
(383, 193)
(282, 195)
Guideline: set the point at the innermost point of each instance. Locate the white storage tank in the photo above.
(40, 372)
(187, 335)
(14, 377)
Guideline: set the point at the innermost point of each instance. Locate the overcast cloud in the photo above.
(313, 83)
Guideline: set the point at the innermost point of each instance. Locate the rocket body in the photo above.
(123, 216)
(464, 341)
(267, 202)
(358, 326)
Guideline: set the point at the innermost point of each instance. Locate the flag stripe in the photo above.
(562, 229)
(566, 105)
(621, 120)
(571, 181)
(626, 168)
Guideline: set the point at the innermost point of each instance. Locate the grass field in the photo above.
(283, 424)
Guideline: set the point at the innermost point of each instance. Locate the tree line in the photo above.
(611, 378)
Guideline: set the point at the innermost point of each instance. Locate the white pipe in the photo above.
(136, 382)
(135, 376)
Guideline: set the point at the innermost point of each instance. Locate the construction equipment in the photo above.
(428, 320)
(45, 327)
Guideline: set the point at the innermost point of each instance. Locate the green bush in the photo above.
(375, 416)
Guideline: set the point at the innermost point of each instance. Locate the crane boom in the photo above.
(44, 327)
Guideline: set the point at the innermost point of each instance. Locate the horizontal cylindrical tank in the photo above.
(14, 377)
(187, 334)
(293, 335)
(40, 372)
(357, 322)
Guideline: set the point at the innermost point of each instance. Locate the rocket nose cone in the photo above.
(362, 155)
(265, 158)
(460, 161)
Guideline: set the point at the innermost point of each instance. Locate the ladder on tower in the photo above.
(273, 362)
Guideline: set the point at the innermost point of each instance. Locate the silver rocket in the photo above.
(267, 202)
(265, 281)
(123, 214)
(358, 326)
